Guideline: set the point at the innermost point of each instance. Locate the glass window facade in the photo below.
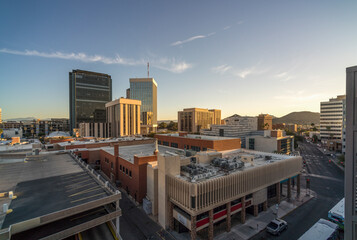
(145, 90)
(89, 91)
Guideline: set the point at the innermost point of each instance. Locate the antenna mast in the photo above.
(148, 70)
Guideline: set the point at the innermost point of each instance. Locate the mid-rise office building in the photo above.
(265, 122)
(350, 156)
(145, 90)
(272, 141)
(123, 115)
(88, 94)
(39, 127)
(199, 192)
(235, 126)
(192, 120)
(331, 119)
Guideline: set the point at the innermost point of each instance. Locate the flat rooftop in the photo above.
(232, 161)
(142, 150)
(111, 140)
(193, 136)
(49, 184)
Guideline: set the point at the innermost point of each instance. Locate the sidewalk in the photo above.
(254, 225)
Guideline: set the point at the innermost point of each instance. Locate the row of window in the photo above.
(125, 170)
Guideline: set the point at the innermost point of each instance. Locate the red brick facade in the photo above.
(131, 176)
(195, 143)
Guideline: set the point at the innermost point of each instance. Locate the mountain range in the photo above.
(304, 118)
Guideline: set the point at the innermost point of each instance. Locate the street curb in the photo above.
(282, 217)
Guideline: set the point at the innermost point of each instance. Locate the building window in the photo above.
(126, 171)
(130, 173)
(221, 132)
(112, 165)
(165, 143)
(175, 145)
(106, 160)
(251, 143)
(159, 142)
(121, 167)
(195, 148)
(249, 196)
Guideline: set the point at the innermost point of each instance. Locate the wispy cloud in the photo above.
(221, 69)
(226, 27)
(240, 22)
(171, 65)
(255, 70)
(242, 73)
(192, 39)
(284, 76)
(245, 72)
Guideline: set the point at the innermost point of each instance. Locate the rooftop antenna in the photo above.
(148, 70)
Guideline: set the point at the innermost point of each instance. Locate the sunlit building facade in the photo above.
(88, 94)
(192, 120)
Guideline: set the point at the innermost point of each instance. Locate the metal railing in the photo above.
(94, 174)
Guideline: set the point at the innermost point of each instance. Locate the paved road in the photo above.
(327, 180)
(136, 225)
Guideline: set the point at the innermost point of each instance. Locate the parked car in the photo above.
(276, 226)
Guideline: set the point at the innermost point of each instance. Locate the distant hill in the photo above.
(304, 117)
(20, 119)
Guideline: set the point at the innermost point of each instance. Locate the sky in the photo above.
(243, 57)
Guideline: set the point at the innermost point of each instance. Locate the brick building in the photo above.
(198, 142)
(125, 163)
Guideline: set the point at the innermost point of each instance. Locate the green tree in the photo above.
(172, 126)
(162, 125)
(315, 138)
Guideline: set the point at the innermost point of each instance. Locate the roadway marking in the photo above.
(86, 191)
(74, 188)
(72, 185)
(324, 177)
(74, 179)
(87, 197)
(112, 231)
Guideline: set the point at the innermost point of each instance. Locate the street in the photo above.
(326, 180)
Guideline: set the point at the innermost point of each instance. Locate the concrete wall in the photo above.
(167, 165)
(152, 186)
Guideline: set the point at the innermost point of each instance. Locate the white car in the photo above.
(276, 226)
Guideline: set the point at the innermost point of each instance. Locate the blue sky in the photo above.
(244, 57)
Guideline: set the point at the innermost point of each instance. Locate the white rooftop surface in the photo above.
(141, 150)
(339, 209)
(214, 172)
(193, 136)
(17, 147)
(320, 230)
(62, 144)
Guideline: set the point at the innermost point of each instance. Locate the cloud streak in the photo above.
(167, 64)
(221, 69)
(178, 43)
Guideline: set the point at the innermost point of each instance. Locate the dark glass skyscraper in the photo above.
(88, 94)
(145, 89)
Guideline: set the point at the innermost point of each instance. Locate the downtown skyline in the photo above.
(239, 57)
